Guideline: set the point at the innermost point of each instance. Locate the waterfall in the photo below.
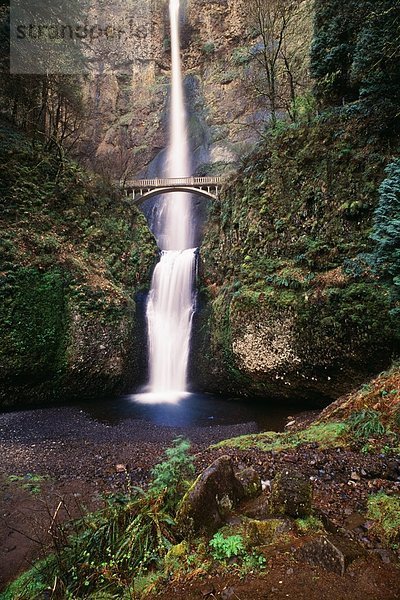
(170, 305)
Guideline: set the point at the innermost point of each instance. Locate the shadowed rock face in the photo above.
(333, 553)
(71, 326)
(288, 316)
(211, 498)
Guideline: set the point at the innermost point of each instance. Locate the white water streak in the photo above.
(170, 306)
(178, 234)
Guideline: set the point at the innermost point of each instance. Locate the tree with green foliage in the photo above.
(386, 227)
(336, 25)
(355, 55)
(278, 76)
(375, 68)
(45, 105)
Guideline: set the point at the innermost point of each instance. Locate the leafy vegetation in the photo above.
(375, 407)
(366, 424)
(354, 57)
(309, 525)
(30, 585)
(233, 549)
(125, 541)
(385, 511)
(224, 548)
(73, 253)
(172, 477)
(30, 482)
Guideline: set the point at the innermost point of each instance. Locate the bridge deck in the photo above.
(173, 182)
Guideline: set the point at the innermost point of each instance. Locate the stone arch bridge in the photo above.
(143, 189)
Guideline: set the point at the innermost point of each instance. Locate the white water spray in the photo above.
(171, 301)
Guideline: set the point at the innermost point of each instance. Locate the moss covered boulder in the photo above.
(291, 495)
(268, 531)
(210, 500)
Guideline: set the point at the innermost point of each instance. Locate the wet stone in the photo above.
(207, 504)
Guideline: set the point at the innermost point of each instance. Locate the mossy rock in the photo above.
(177, 551)
(250, 481)
(208, 502)
(260, 533)
(291, 495)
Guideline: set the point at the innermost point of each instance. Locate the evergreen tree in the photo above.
(386, 227)
(375, 68)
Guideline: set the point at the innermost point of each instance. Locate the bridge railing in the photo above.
(173, 181)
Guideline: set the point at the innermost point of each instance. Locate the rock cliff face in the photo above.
(126, 130)
(290, 311)
(283, 313)
(74, 254)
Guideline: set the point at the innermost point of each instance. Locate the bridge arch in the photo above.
(146, 195)
(143, 189)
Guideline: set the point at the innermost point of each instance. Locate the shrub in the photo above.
(241, 56)
(110, 549)
(208, 48)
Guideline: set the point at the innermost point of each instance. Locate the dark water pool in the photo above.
(198, 410)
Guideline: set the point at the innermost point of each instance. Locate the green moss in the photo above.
(73, 254)
(309, 525)
(281, 238)
(32, 584)
(177, 551)
(326, 435)
(385, 511)
(270, 531)
(34, 319)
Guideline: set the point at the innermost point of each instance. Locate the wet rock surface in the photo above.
(250, 482)
(291, 494)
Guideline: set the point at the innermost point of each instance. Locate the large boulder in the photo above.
(210, 500)
(333, 553)
(291, 495)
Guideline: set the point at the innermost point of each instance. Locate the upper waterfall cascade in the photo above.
(170, 305)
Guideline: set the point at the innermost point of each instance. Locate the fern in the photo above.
(224, 548)
(171, 477)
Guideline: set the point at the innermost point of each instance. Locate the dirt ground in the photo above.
(76, 460)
